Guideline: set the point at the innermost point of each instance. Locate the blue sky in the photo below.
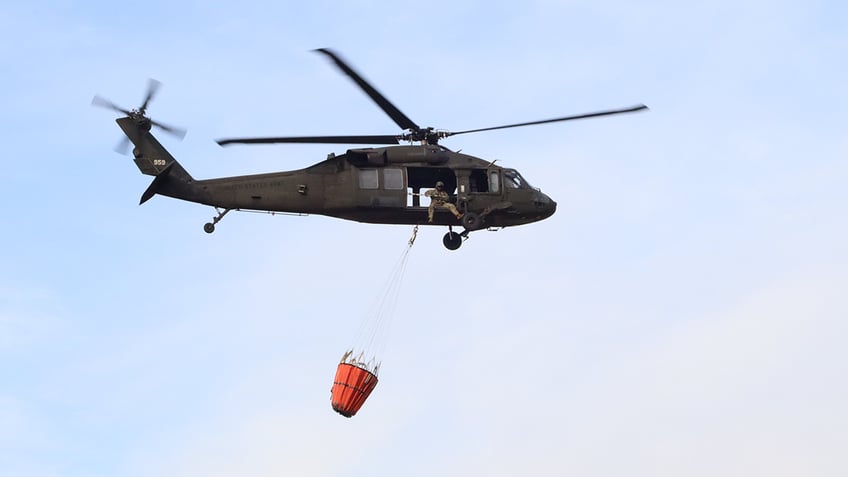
(683, 312)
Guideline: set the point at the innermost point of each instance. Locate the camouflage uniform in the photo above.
(439, 198)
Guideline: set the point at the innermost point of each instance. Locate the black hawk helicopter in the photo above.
(379, 185)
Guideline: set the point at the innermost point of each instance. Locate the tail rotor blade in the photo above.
(178, 132)
(123, 146)
(152, 88)
(102, 102)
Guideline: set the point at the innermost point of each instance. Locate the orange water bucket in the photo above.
(351, 388)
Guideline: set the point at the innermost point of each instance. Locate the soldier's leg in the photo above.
(453, 210)
(430, 211)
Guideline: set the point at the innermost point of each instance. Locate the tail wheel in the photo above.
(472, 221)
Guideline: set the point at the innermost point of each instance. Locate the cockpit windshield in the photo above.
(513, 180)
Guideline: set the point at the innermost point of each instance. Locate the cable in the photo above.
(371, 338)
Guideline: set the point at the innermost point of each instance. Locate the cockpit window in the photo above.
(513, 180)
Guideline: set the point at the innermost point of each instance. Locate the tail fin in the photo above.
(154, 160)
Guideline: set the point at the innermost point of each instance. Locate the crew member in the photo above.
(440, 198)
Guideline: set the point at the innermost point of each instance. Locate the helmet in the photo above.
(440, 184)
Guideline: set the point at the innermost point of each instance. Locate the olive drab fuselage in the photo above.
(378, 185)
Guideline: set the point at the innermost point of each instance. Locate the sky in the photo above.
(683, 312)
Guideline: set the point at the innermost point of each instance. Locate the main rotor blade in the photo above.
(399, 118)
(105, 103)
(566, 118)
(314, 140)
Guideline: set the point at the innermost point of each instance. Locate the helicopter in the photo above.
(377, 185)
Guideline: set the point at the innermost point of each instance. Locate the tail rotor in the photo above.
(139, 114)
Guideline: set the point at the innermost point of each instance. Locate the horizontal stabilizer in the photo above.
(156, 184)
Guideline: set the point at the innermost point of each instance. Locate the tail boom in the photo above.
(152, 159)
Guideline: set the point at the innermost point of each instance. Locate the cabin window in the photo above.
(514, 180)
(393, 179)
(478, 180)
(494, 181)
(368, 179)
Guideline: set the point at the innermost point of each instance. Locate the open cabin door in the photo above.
(422, 179)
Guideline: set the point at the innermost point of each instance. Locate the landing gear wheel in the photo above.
(472, 221)
(452, 240)
(209, 227)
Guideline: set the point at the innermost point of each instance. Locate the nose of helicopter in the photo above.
(545, 205)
